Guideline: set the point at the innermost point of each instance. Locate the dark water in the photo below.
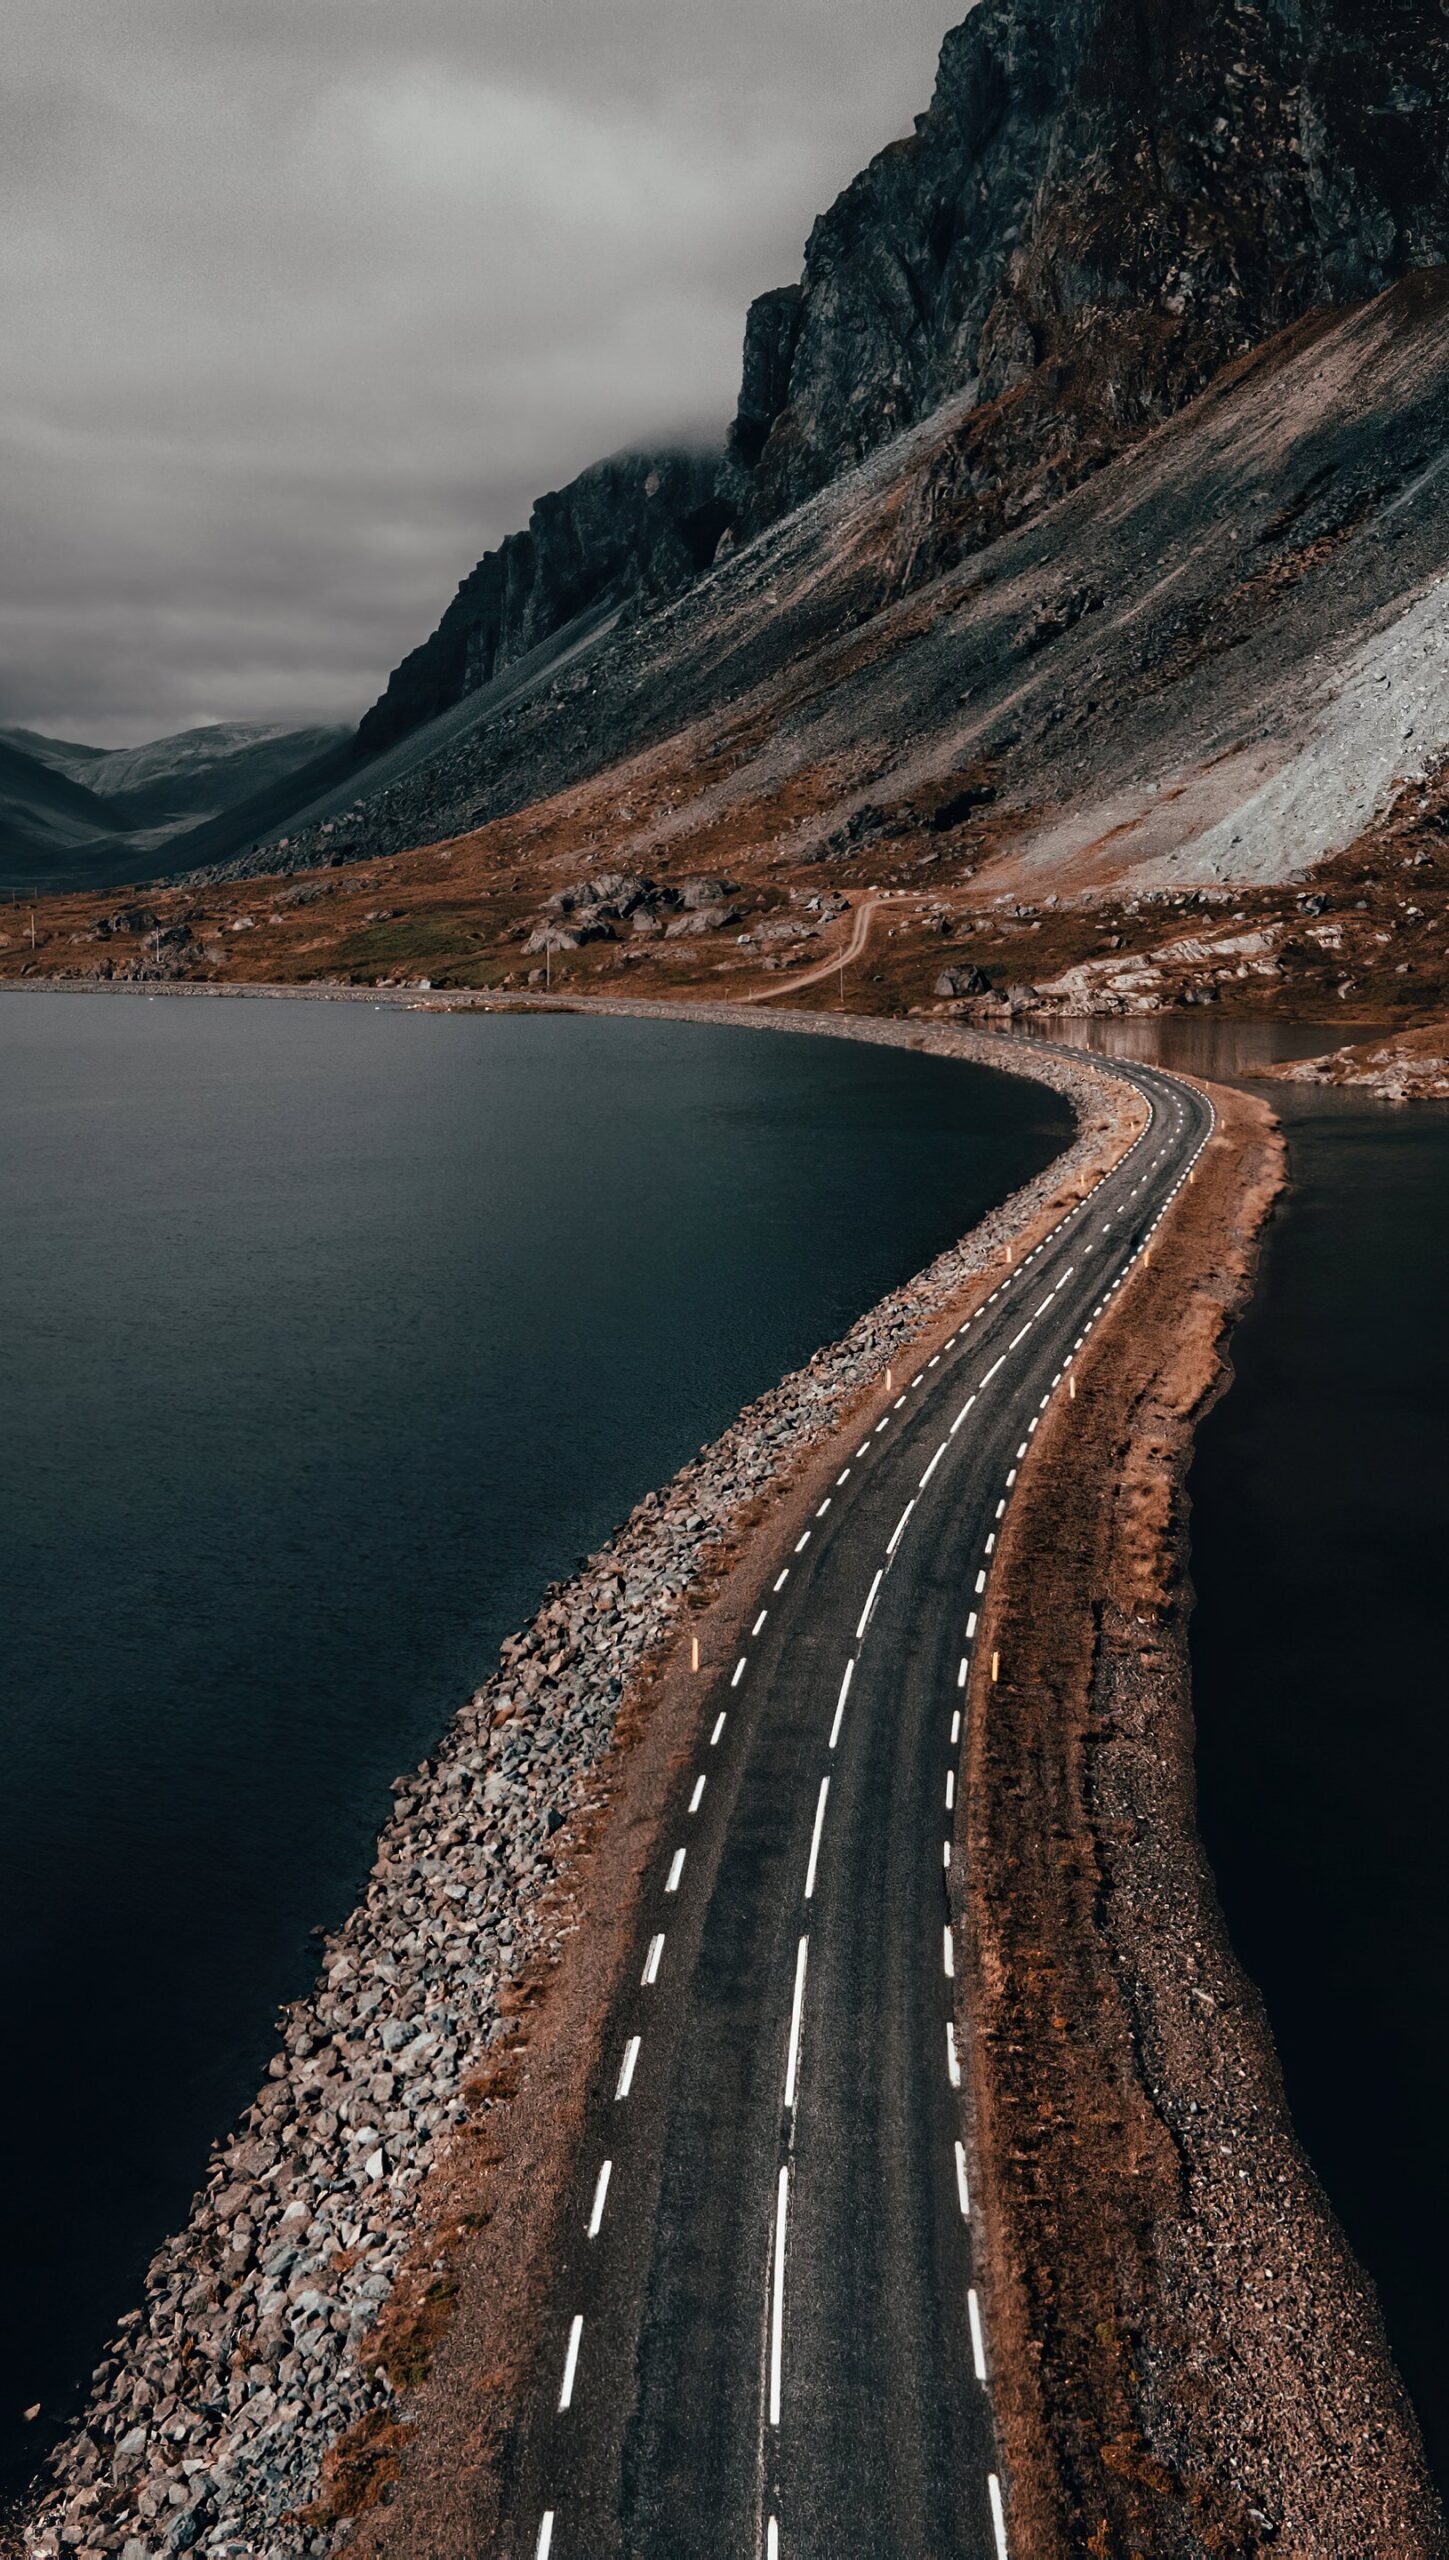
(1197, 1043)
(327, 1336)
(1320, 1653)
(1320, 1552)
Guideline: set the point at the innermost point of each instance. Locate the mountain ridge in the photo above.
(72, 813)
(1102, 205)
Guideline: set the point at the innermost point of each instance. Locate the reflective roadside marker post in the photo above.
(995, 1667)
(694, 1653)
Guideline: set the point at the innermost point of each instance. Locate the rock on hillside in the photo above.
(641, 524)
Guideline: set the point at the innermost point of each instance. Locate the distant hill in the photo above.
(46, 818)
(75, 816)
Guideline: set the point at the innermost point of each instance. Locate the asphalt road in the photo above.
(763, 2334)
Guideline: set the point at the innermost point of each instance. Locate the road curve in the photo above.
(763, 2334)
(865, 915)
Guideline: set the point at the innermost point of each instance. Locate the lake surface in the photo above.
(1320, 1557)
(1320, 1554)
(328, 1334)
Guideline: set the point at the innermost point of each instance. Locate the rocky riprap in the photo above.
(216, 2403)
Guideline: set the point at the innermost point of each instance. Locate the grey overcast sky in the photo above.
(303, 301)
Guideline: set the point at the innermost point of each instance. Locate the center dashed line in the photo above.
(571, 2362)
(797, 2012)
(676, 1869)
(870, 1596)
(596, 2216)
(815, 1840)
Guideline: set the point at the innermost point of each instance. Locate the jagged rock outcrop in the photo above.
(1125, 194)
(1105, 201)
(639, 524)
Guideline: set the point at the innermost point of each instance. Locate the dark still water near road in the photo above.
(1320, 1556)
(327, 1336)
(1320, 1553)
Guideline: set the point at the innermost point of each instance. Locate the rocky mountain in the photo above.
(1079, 537)
(1105, 202)
(194, 774)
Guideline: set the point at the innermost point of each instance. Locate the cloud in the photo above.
(303, 306)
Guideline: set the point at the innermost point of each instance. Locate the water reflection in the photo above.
(1199, 1042)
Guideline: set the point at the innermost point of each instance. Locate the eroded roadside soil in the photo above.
(1188, 2360)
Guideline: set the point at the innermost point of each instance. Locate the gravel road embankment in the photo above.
(258, 2345)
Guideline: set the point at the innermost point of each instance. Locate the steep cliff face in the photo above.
(1105, 201)
(637, 524)
(1128, 191)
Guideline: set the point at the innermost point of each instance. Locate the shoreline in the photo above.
(288, 2319)
(1191, 2360)
(1111, 2441)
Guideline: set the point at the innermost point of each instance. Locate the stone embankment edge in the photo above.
(255, 2349)
(1188, 2356)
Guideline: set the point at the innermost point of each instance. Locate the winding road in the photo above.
(838, 961)
(764, 2333)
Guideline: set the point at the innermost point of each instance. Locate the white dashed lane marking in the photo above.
(963, 2191)
(656, 1945)
(571, 2361)
(601, 2190)
(797, 2012)
(840, 1703)
(978, 2343)
(777, 2298)
(815, 1840)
